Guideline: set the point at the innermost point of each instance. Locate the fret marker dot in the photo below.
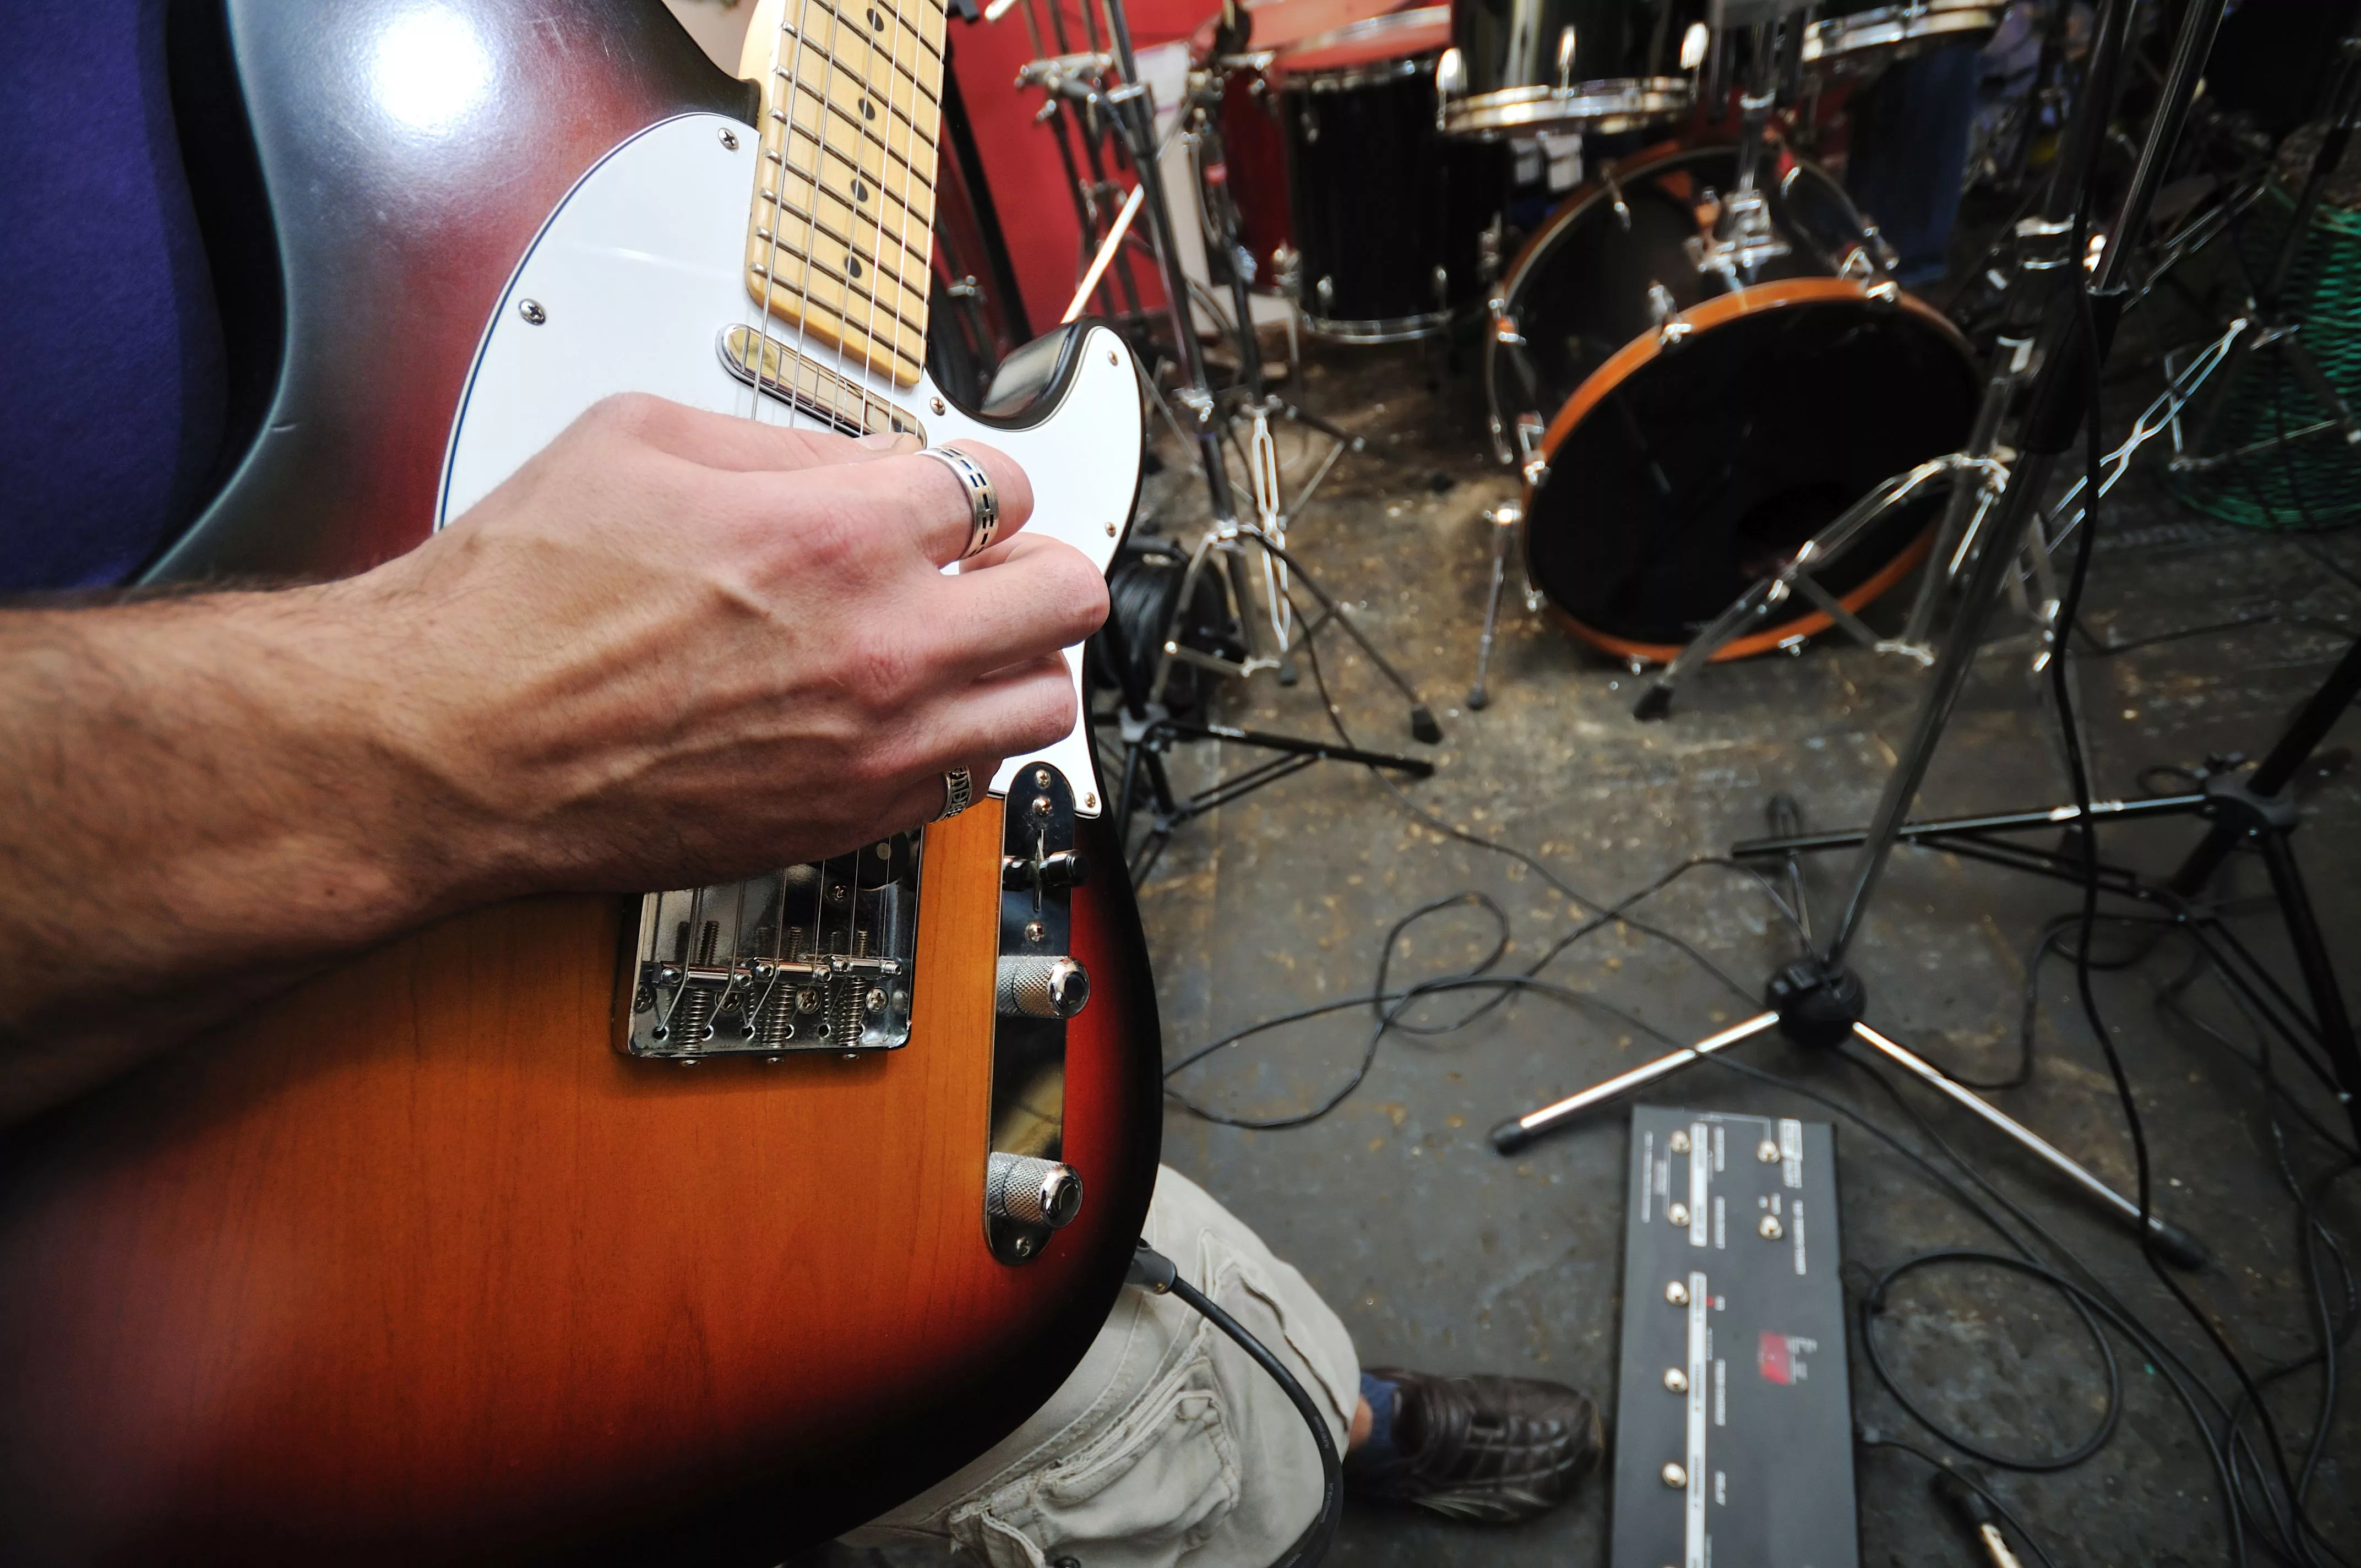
(852, 265)
(860, 192)
(867, 110)
(875, 20)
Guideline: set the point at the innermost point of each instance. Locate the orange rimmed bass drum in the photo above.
(1685, 421)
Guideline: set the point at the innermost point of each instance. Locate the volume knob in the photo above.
(1034, 986)
(1032, 1191)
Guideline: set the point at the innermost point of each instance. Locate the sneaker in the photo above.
(1483, 1449)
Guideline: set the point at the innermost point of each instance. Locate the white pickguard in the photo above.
(636, 274)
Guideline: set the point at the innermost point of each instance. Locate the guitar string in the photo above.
(899, 27)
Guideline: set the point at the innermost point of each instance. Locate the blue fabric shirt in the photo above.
(111, 370)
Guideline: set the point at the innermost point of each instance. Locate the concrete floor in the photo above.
(1440, 1254)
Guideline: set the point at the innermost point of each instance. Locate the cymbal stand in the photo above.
(1147, 729)
(1816, 1001)
(2267, 326)
(1075, 119)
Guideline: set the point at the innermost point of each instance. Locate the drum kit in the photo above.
(1697, 359)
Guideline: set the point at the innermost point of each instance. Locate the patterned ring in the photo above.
(958, 792)
(982, 500)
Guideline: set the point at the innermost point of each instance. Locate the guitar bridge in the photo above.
(813, 957)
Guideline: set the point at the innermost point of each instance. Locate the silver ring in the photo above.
(958, 792)
(982, 500)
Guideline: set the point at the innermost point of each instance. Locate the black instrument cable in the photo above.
(1156, 1274)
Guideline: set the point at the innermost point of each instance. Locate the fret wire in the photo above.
(846, 67)
(915, 32)
(821, 266)
(815, 311)
(853, 246)
(875, 178)
(860, 89)
(864, 228)
(853, 121)
(897, 348)
(862, 216)
(900, 283)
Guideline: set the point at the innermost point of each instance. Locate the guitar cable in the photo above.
(1157, 1274)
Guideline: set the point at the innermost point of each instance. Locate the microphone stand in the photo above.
(1146, 728)
(1817, 1002)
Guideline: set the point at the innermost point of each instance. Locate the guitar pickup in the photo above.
(836, 400)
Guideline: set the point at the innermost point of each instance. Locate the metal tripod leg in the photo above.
(1816, 555)
(1504, 520)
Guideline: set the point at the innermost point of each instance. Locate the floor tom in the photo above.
(1387, 213)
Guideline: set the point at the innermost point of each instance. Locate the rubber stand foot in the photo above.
(1655, 703)
(1423, 725)
(1479, 701)
(2178, 1248)
(1510, 1136)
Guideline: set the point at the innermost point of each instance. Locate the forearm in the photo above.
(213, 795)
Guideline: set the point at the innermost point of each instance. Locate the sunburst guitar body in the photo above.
(692, 1227)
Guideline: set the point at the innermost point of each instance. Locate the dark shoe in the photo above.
(1487, 1450)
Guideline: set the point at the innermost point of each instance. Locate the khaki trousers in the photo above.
(1168, 1446)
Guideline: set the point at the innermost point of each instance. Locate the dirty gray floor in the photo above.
(1441, 1254)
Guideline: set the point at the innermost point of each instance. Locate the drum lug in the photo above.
(1615, 195)
(1450, 82)
(1534, 462)
(1671, 330)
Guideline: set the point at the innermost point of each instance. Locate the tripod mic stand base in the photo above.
(1820, 1004)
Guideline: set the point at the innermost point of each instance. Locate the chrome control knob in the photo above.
(1033, 985)
(1032, 1191)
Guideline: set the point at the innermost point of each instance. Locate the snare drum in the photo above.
(1387, 213)
(1552, 65)
(1864, 40)
(1683, 432)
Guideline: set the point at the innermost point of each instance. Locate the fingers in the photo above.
(931, 499)
(732, 442)
(1014, 712)
(1035, 597)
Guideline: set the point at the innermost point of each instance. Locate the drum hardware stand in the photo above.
(2268, 327)
(1146, 728)
(1816, 1001)
(1059, 74)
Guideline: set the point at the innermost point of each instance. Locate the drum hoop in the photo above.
(1627, 100)
(1390, 329)
(1721, 310)
(1627, 360)
(1809, 624)
(1345, 78)
(1889, 24)
(1369, 28)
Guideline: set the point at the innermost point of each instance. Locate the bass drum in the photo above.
(1680, 436)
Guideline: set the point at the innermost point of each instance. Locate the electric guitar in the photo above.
(692, 1227)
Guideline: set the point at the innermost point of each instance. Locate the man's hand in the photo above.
(675, 647)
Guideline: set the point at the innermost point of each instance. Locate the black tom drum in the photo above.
(1389, 215)
(1684, 430)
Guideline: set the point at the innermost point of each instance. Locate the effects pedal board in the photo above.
(1733, 1423)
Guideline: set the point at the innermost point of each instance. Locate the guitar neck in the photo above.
(841, 234)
